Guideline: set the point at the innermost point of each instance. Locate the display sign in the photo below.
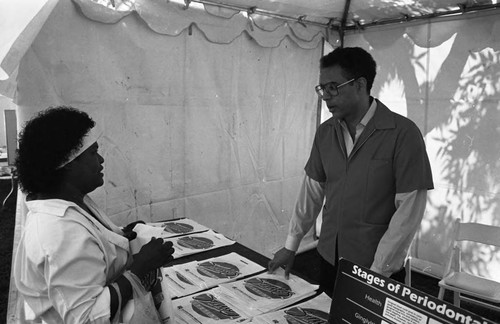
(363, 296)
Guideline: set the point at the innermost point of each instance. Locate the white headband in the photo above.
(88, 140)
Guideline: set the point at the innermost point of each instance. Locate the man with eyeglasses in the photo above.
(370, 167)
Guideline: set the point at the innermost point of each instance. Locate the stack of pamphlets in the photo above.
(204, 308)
(239, 300)
(313, 311)
(264, 292)
(199, 242)
(188, 278)
(177, 227)
(184, 245)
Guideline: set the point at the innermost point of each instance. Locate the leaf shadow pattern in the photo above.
(464, 130)
(470, 152)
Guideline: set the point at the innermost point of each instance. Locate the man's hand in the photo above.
(283, 258)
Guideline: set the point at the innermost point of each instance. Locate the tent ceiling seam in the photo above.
(343, 25)
(254, 10)
(464, 9)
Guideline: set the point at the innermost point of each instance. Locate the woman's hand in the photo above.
(156, 253)
(128, 230)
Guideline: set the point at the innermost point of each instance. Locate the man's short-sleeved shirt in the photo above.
(388, 158)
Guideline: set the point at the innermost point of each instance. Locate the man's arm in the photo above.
(307, 208)
(393, 247)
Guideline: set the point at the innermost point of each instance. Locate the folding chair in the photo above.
(421, 266)
(464, 283)
(424, 267)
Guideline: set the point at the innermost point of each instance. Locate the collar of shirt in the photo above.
(349, 143)
(55, 207)
(58, 207)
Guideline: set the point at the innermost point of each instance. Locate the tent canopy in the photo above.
(354, 14)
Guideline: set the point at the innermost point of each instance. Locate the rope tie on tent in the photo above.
(358, 25)
(330, 23)
(250, 12)
(301, 19)
(329, 29)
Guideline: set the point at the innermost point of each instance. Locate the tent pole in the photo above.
(319, 103)
(343, 22)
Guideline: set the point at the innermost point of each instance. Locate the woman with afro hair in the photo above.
(73, 265)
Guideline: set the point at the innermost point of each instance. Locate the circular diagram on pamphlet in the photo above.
(177, 228)
(208, 306)
(182, 278)
(268, 288)
(218, 270)
(195, 243)
(298, 315)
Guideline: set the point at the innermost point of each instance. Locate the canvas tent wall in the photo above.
(194, 128)
(445, 75)
(214, 121)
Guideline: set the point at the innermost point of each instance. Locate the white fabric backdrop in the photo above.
(192, 124)
(446, 77)
(216, 133)
(220, 133)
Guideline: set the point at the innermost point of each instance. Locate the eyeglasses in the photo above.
(331, 88)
